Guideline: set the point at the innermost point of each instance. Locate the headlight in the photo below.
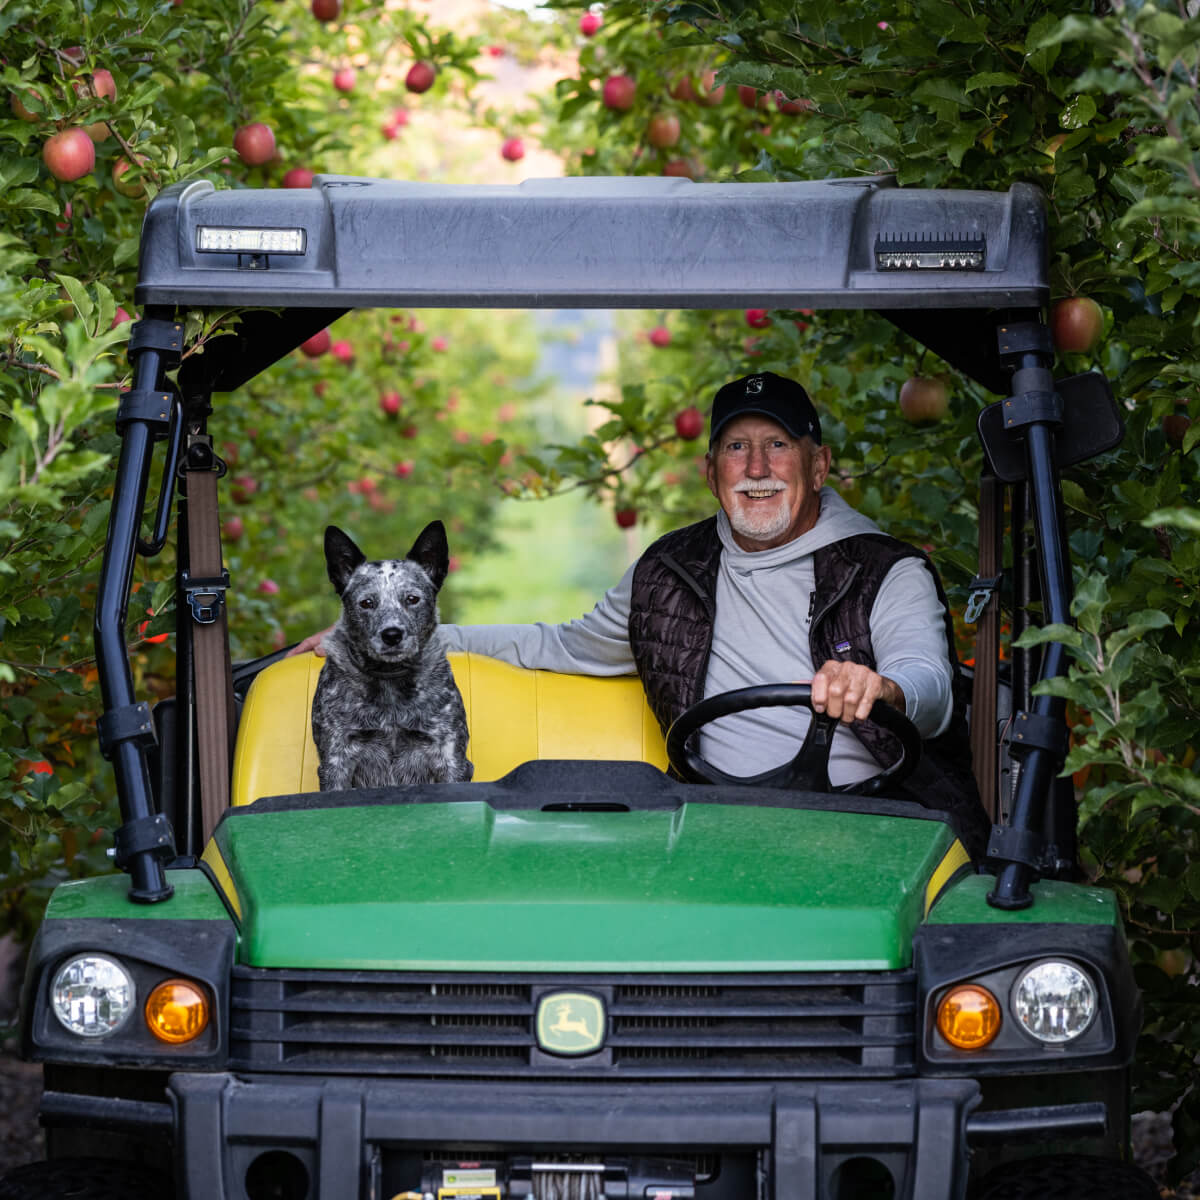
(92, 995)
(1054, 1001)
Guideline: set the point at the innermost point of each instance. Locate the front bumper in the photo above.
(799, 1135)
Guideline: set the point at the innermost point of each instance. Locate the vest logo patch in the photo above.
(842, 647)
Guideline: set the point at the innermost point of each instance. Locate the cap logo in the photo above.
(754, 385)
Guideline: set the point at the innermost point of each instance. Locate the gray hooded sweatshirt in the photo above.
(760, 635)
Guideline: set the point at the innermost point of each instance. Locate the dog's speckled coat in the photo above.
(386, 709)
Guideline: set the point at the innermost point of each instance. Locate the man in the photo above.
(786, 582)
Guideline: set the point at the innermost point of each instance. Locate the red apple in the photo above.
(420, 77)
(791, 107)
(120, 317)
(409, 431)
(390, 403)
(757, 318)
(660, 336)
(343, 352)
(439, 344)
(924, 399)
(233, 528)
(663, 130)
(513, 149)
(244, 486)
(682, 89)
(1076, 324)
(706, 93)
(399, 117)
(26, 114)
(69, 155)
(129, 187)
(750, 97)
(268, 587)
(626, 518)
(589, 24)
(619, 92)
(102, 85)
(689, 424)
(316, 345)
(255, 144)
(496, 51)
(298, 177)
(367, 485)
(683, 168)
(344, 79)
(389, 130)
(403, 469)
(326, 10)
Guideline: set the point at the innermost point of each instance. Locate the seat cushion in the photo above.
(513, 715)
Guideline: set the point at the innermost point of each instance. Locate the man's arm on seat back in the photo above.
(594, 644)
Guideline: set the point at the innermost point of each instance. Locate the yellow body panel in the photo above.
(513, 715)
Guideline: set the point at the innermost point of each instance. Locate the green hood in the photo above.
(462, 886)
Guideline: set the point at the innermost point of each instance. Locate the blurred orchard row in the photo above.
(390, 418)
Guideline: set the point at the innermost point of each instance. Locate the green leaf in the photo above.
(1078, 112)
(1135, 627)
(991, 79)
(79, 296)
(29, 199)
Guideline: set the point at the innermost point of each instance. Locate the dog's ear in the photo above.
(341, 557)
(431, 553)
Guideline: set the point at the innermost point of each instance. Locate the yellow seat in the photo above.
(513, 715)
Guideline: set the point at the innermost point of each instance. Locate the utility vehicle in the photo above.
(581, 974)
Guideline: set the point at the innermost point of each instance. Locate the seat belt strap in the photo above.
(985, 608)
(204, 584)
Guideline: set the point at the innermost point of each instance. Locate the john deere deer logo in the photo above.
(570, 1023)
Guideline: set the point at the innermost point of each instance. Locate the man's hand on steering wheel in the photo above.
(847, 691)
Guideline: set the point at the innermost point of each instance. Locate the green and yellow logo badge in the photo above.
(570, 1023)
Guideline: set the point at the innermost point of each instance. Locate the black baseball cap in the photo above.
(770, 395)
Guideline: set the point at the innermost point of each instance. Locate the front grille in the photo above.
(830, 1025)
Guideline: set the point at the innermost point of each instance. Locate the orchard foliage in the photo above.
(1101, 110)
(162, 89)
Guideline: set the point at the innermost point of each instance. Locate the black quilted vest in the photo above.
(671, 626)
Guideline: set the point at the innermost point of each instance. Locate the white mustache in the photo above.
(756, 485)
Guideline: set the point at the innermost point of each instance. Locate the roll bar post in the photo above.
(1034, 413)
(146, 414)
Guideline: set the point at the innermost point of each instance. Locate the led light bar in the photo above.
(966, 253)
(211, 239)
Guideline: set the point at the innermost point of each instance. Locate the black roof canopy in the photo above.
(595, 242)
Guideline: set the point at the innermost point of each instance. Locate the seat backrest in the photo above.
(513, 715)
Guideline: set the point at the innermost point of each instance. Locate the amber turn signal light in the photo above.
(177, 1011)
(968, 1017)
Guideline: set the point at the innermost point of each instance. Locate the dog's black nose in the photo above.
(393, 635)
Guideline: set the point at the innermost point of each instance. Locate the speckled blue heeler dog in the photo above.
(386, 709)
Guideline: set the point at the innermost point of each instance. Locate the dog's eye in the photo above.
(411, 599)
(368, 602)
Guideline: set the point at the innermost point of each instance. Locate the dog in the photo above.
(387, 711)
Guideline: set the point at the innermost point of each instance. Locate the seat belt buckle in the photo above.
(205, 597)
(983, 588)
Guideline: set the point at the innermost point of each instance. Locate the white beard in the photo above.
(761, 524)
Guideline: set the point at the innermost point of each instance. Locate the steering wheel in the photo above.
(809, 770)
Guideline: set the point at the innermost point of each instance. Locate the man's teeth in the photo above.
(760, 494)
